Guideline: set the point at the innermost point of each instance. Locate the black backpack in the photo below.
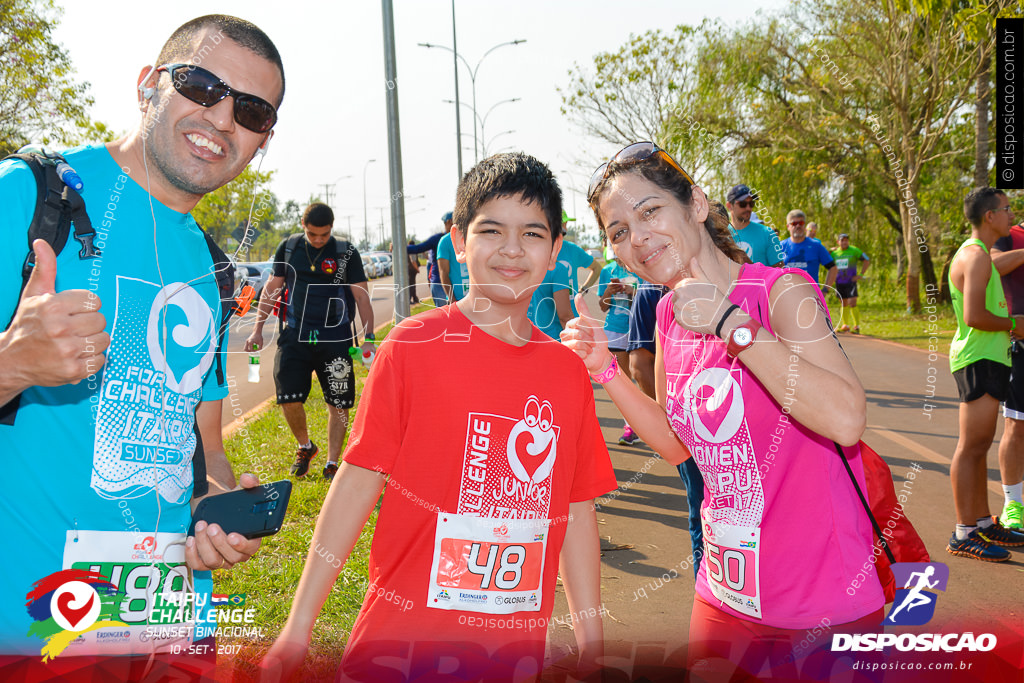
(343, 252)
(58, 208)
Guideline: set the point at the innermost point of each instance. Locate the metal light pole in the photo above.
(472, 77)
(455, 68)
(399, 256)
(366, 221)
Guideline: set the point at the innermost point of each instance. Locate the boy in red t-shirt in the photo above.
(485, 435)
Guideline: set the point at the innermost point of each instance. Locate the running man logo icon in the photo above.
(915, 602)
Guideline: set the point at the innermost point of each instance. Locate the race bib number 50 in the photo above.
(487, 565)
(732, 554)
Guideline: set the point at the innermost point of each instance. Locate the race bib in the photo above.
(151, 578)
(842, 263)
(487, 565)
(732, 554)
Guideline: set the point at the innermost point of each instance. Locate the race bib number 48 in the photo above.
(487, 565)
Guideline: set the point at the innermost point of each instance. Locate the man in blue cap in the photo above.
(759, 241)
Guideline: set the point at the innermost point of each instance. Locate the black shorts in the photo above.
(847, 290)
(1014, 406)
(297, 361)
(980, 378)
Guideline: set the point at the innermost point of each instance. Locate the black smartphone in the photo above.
(254, 512)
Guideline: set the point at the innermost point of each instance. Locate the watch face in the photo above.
(741, 336)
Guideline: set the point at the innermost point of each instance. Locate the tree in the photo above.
(632, 93)
(227, 210)
(40, 100)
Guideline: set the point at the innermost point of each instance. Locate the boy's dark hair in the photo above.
(506, 175)
(318, 215)
(179, 46)
(979, 201)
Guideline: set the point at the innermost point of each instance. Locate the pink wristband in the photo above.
(608, 374)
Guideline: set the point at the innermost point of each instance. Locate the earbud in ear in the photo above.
(147, 92)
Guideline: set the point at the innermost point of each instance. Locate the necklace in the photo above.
(312, 259)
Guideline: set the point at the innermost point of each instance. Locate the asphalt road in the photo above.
(246, 396)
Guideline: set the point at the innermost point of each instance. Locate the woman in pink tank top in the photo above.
(752, 383)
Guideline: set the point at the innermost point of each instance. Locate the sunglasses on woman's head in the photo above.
(206, 89)
(628, 156)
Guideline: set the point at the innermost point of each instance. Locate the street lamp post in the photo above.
(472, 77)
(366, 221)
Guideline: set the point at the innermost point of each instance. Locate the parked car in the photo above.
(255, 274)
(383, 262)
(370, 267)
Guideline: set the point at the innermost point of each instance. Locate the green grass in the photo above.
(266, 447)
(931, 328)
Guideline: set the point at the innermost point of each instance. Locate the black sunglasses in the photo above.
(206, 89)
(632, 154)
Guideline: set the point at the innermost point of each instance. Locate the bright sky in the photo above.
(333, 119)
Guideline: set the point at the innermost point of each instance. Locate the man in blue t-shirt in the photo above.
(433, 272)
(454, 275)
(112, 358)
(806, 253)
(549, 306)
(759, 241)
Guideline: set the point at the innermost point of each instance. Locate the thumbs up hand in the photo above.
(697, 302)
(585, 335)
(55, 338)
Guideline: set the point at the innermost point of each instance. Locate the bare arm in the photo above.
(211, 548)
(830, 276)
(970, 273)
(595, 273)
(585, 336)
(579, 565)
(55, 338)
(348, 505)
(641, 367)
(361, 293)
(271, 292)
(218, 469)
(1006, 261)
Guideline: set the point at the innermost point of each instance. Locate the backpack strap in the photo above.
(867, 508)
(224, 271)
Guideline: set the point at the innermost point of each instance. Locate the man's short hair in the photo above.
(979, 201)
(179, 47)
(318, 215)
(795, 213)
(507, 175)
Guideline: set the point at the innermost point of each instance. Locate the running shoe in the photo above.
(330, 471)
(1000, 535)
(976, 546)
(629, 437)
(856, 330)
(302, 458)
(1011, 517)
(844, 328)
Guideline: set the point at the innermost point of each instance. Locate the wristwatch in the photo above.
(742, 337)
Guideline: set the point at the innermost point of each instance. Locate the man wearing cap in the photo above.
(759, 241)
(430, 245)
(847, 258)
(454, 276)
(806, 253)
